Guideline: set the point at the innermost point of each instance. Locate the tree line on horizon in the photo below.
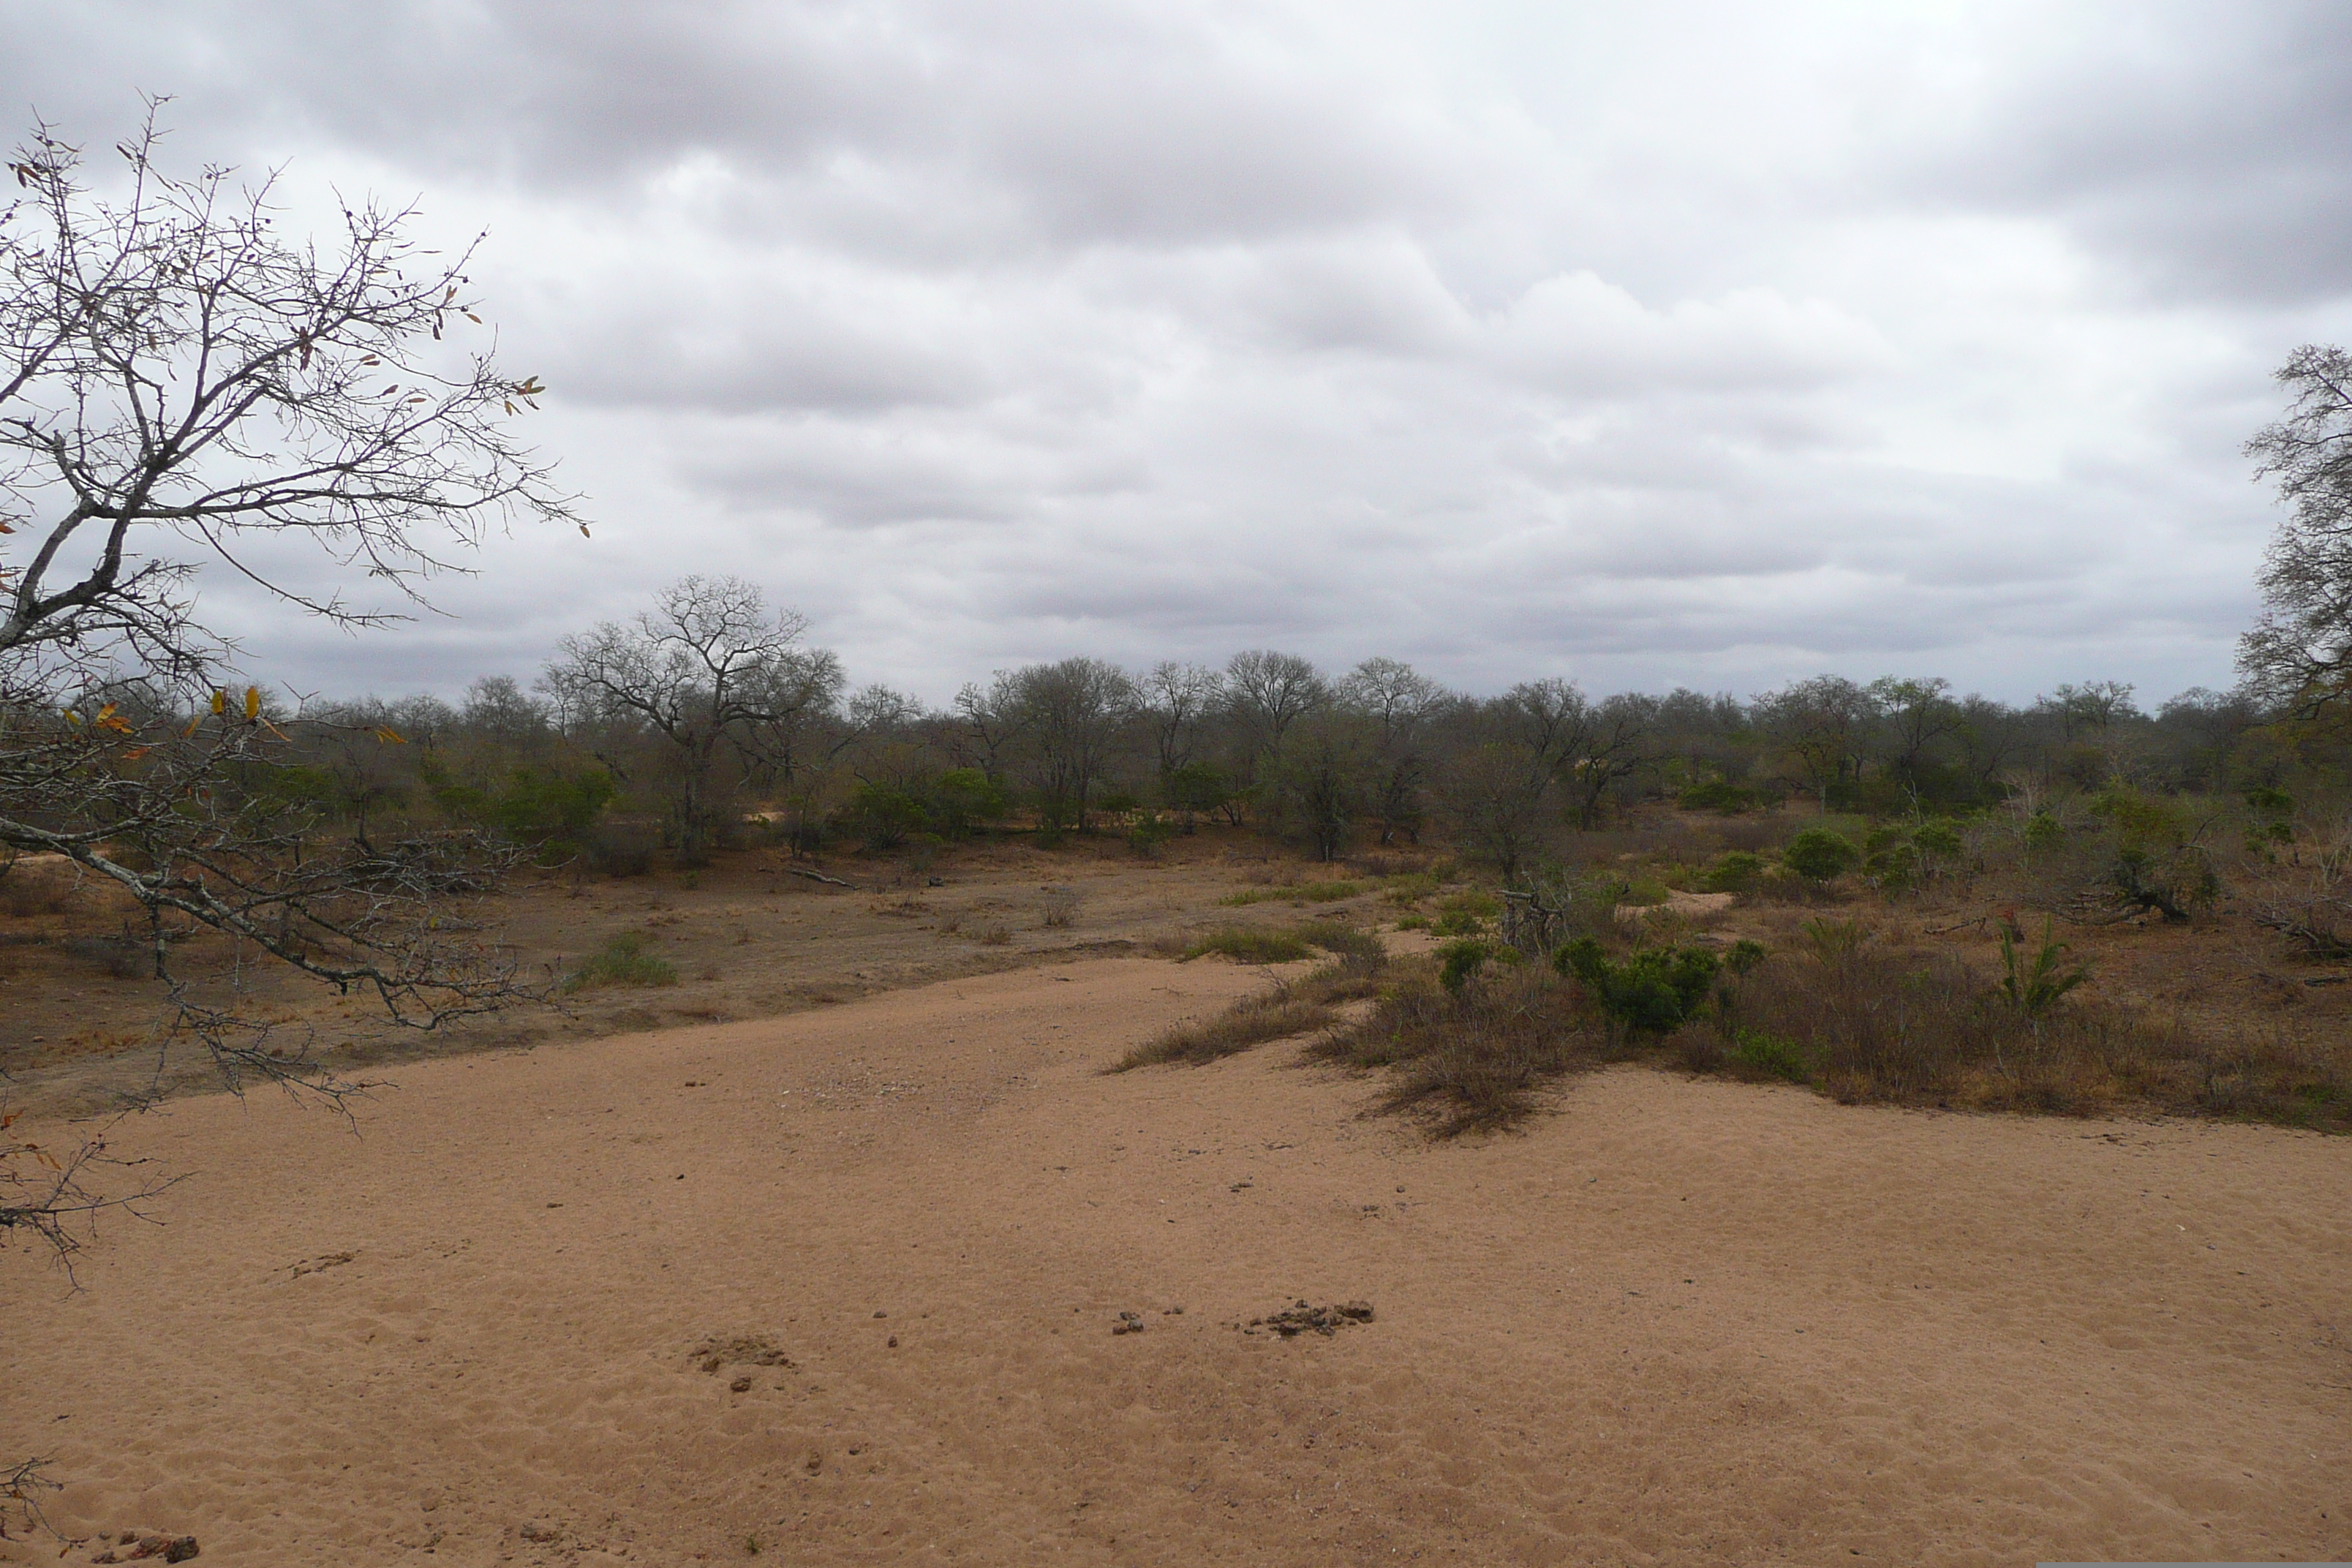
(709, 716)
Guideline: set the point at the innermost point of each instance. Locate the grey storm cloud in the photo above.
(1684, 342)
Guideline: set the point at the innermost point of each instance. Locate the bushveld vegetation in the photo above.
(1475, 819)
(353, 841)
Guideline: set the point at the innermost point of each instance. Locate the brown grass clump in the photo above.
(1859, 1020)
(1476, 1058)
(1292, 1007)
(1873, 1024)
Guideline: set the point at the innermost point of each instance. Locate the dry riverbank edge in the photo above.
(1675, 1322)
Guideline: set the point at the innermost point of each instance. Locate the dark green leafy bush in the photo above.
(1736, 871)
(1460, 959)
(1655, 989)
(1819, 855)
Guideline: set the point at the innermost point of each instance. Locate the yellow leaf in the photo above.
(220, 701)
(71, 717)
(253, 702)
(192, 726)
(389, 735)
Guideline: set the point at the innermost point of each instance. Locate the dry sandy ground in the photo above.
(1678, 1322)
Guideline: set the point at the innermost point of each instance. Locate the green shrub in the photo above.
(2044, 832)
(1937, 840)
(1358, 951)
(1819, 855)
(2159, 865)
(1409, 888)
(1718, 795)
(2035, 985)
(1467, 913)
(1643, 892)
(884, 816)
(624, 961)
(961, 799)
(1248, 945)
(1150, 834)
(1196, 787)
(1655, 989)
(621, 849)
(1461, 959)
(531, 806)
(1736, 871)
(1775, 1056)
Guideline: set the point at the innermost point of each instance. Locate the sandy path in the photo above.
(1680, 1322)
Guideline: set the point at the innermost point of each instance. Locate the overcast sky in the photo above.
(1646, 344)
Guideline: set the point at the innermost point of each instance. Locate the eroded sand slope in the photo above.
(1677, 1322)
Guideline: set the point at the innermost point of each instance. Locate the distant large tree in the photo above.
(1823, 725)
(709, 675)
(1071, 717)
(1397, 701)
(2300, 652)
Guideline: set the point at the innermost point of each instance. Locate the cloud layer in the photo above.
(1647, 344)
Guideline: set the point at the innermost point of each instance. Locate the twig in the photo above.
(817, 877)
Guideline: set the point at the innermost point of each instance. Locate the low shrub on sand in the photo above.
(624, 961)
(1475, 1057)
(1249, 944)
(1294, 1007)
(1857, 1019)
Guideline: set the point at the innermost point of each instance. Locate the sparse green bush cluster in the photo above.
(627, 960)
(1851, 1015)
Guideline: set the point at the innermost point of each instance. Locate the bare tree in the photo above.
(1590, 746)
(179, 374)
(1398, 701)
(709, 673)
(1267, 692)
(1823, 725)
(1176, 699)
(1612, 746)
(2300, 652)
(1917, 713)
(1072, 716)
(180, 382)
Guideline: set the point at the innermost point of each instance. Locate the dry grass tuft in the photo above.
(1860, 1021)
(1870, 1024)
(1292, 1007)
(1249, 944)
(1474, 1059)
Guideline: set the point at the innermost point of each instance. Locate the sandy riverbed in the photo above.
(1677, 1322)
